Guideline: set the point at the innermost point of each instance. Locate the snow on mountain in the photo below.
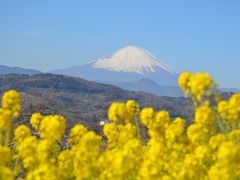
(128, 64)
(132, 59)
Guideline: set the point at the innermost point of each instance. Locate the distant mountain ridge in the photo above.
(17, 70)
(149, 86)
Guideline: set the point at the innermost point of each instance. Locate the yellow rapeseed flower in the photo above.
(117, 112)
(184, 82)
(11, 101)
(52, 127)
(35, 120)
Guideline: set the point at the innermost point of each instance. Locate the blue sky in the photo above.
(200, 35)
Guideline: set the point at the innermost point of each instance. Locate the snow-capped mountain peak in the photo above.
(132, 59)
(128, 64)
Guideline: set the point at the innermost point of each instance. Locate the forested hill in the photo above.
(80, 100)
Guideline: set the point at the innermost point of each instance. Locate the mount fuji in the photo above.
(126, 65)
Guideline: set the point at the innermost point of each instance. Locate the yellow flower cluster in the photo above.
(207, 148)
(230, 110)
(198, 84)
(11, 101)
(123, 112)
